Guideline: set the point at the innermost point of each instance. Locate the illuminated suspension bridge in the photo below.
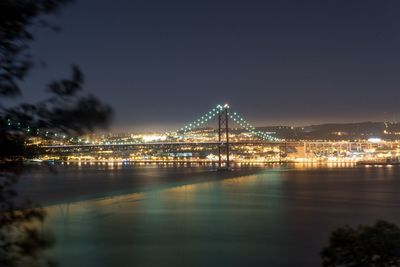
(227, 145)
(224, 115)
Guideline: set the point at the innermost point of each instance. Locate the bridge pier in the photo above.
(223, 138)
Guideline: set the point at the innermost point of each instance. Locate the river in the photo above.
(277, 215)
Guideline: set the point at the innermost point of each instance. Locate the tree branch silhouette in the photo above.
(68, 109)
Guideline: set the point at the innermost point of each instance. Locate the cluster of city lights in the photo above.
(202, 120)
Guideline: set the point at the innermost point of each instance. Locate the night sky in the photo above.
(162, 63)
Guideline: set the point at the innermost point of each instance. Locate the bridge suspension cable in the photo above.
(232, 115)
(202, 120)
(34, 131)
(250, 128)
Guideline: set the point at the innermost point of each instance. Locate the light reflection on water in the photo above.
(276, 217)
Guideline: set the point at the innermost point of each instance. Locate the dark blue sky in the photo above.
(163, 63)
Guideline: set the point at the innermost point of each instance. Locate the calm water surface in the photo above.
(166, 216)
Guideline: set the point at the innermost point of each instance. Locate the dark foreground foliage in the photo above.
(365, 246)
(21, 241)
(68, 109)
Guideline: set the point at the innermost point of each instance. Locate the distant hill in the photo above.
(338, 131)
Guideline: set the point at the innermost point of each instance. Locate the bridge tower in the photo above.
(223, 137)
